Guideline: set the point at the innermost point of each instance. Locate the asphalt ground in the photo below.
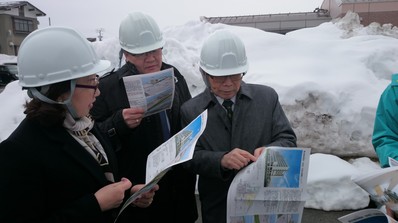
(312, 215)
(316, 216)
(320, 216)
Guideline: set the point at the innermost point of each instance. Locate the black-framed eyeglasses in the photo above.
(94, 87)
(146, 54)
(222, 79)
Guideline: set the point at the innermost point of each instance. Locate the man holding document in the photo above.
(242, 119)
(136, 134)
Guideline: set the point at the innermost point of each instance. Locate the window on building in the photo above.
(23, 25)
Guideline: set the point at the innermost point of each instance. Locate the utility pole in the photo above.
(100, 33)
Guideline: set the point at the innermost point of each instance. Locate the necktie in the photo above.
(165, 125)
(228, 106)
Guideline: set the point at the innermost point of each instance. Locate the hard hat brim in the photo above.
(144, 49)
(100, 66)
(226, 72)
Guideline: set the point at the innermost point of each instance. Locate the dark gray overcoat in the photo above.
(258, 120)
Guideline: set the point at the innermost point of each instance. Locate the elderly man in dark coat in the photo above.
(243, 119)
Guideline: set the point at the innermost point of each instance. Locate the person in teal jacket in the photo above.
(385, 132)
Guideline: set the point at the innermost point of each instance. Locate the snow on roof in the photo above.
(5, 6)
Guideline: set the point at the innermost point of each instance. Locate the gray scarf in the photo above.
(80, 130)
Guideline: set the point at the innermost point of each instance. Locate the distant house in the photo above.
(380, 11)
(17, 20)
(278, 23)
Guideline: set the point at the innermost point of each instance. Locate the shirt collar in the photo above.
(221, 100)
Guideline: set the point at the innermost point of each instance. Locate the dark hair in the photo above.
(45, 113)
(121, 52)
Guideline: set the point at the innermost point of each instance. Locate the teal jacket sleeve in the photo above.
(385, 132)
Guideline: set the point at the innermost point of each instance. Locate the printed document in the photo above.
(176, 150)
(154, 92)
(272, 189)
(382, 186)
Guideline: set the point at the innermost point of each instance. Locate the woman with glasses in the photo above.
(242, 120)
(56, 166)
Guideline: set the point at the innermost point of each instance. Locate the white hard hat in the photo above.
(56, 54)
(139, 33)
(223, 54)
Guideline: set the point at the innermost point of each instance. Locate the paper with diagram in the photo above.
(154, 92)
(176, 150)
(272, 189)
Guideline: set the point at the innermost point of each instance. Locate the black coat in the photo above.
(47, 176)
(175, 200)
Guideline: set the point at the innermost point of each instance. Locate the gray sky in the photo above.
(88, 15)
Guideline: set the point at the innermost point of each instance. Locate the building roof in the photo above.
(278, 23)
(266, 17)
(363, 1)
(6, 6)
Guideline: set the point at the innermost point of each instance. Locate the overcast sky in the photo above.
(89, 15)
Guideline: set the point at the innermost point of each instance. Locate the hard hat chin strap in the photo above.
(34, 93)
(204, 77)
